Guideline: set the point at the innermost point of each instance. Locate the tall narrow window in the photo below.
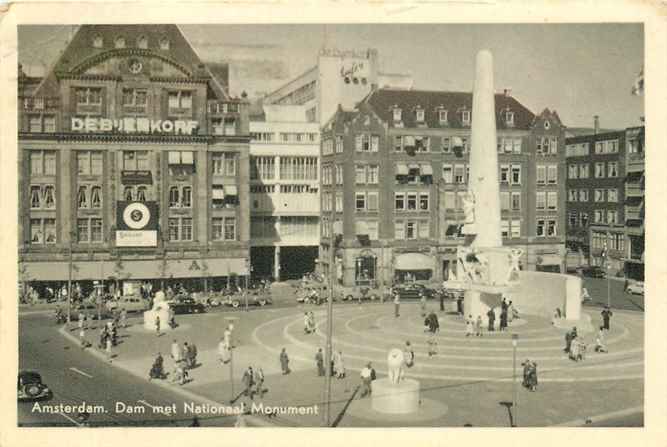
(128, 193)
(50, 196)
(186, 201)
(35, 197)
(174, 197)
(141, 193)
(82, 199)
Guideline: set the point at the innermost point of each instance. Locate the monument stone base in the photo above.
(150, 317)
(401, 398)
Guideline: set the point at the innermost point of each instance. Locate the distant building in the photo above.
(133, 164)
(394, 172)
(595, 197)
(634, 203)
(284, 192)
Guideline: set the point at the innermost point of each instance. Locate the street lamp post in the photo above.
(515, 403)
(245, 292)
(608, 286)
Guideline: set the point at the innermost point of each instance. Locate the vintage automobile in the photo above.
(635, 288)
(182, 305)
(30, 386)
(594, 272)
(130, 303)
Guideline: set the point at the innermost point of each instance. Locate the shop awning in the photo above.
(413, 261)
(231, 190)
(44, 271)
(634, 201)
(634, 177)
(187, 158)
(413, 166)
(361, 228)
(401, 169)
(218, 193)
(426, 170)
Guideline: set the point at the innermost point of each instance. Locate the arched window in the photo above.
(142, 42)
(141, 193)
(128, 193)
(164, 43)
(81, 197)
(173, 197)
(98, 42)
(120, 42)
(96, 197)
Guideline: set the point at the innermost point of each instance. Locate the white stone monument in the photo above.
(395, 394)
(160, 309)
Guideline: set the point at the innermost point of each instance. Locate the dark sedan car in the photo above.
(594, 272)
(186, 306)
(31, 387)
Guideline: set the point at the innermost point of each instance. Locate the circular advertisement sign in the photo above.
(136, 216)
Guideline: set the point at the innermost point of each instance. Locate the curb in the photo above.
(253, 420)
(601, 417)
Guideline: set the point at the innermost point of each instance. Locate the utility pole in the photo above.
(515, 403)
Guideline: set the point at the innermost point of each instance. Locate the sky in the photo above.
(580, 70)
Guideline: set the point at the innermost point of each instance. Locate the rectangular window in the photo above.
(516, 228)
(504, 228)
(459, 174)
(442, 116)
(423, 201)
(599, 195)
(552, 200)
(36, 162)
(541, 175)
(373, 174)
(339, 144)
(612, 195)
(372, 201)
(583, 218)
(419, 115)
(372, 226)
(399, 230)
(516, 146)
(398, 143)
(599, 170)
(516, 201)
(358, 142)
(583, 170)
(465, 117)
(504, 200)
(411, 201)
(553, 145)
(516, 174)
(552, 228)
(230, 229)
(82, 231)
(339, 201)
(612, 169)
(447, 174)
(446, 148)
(217, 228)
(540, 200)
(217, 163)
(397, 114)
(399, 201)
(540, 228)
(360, 174)
(411, 230)
(339, 175)
(504, 173)
(572, 220)
(95, 230)
(599, 216)
(572, 195)
(552, 174)
(423, 228)
(450, 200)
(599, 147)
(230, 164)
(186, 229)
(612, 217)
(375, 143)
(173, 229)
(583, 195)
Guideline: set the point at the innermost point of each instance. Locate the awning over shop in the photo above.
(218, 193)
(414, 261)
(43, 271)
(401, 169)
(231, 190)
(634, 201)
(549, 259)
(413, 167)
(426, 170)
(634, 177)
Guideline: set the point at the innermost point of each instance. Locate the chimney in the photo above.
(596, 124)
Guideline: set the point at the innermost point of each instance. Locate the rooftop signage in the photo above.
(134, 125)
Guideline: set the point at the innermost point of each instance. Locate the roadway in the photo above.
(76, 377)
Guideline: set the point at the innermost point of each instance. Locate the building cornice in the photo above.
(137, 138)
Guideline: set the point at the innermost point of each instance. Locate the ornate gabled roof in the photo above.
(81, 53)
(384, 100)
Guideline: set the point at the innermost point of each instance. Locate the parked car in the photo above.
(594, 272)
(31, 387)
(413, 290)
(90, 308)
(635, 288)
(186, 306)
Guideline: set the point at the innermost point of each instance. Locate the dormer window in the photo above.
(98, 42)
(164, 43)
(465, 117)
(419, 115)
(120, 42)
(547, 125)
(442, 116)
(397, 114)
(142, 42)
(509, 118)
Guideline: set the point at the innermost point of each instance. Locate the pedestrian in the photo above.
(81, 318)
(510, 312)
(259, 382)
(108, 349)
(408, 355)
(284, 362)
(478, 326)
(123, 318)
(600, 345)
(491, 316)
(606, 315)
(459, 304)
(311, 322)
(157, 325)
(432, 344)
(176, 351)
(248, 381)
(365, 381)
(422, 303)
(397, 304)
(503, 316)
(319, 359)
(228, 335)
(470, 326)
(82, 337)
(441, 295)
(339, 365)
(223, 351)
